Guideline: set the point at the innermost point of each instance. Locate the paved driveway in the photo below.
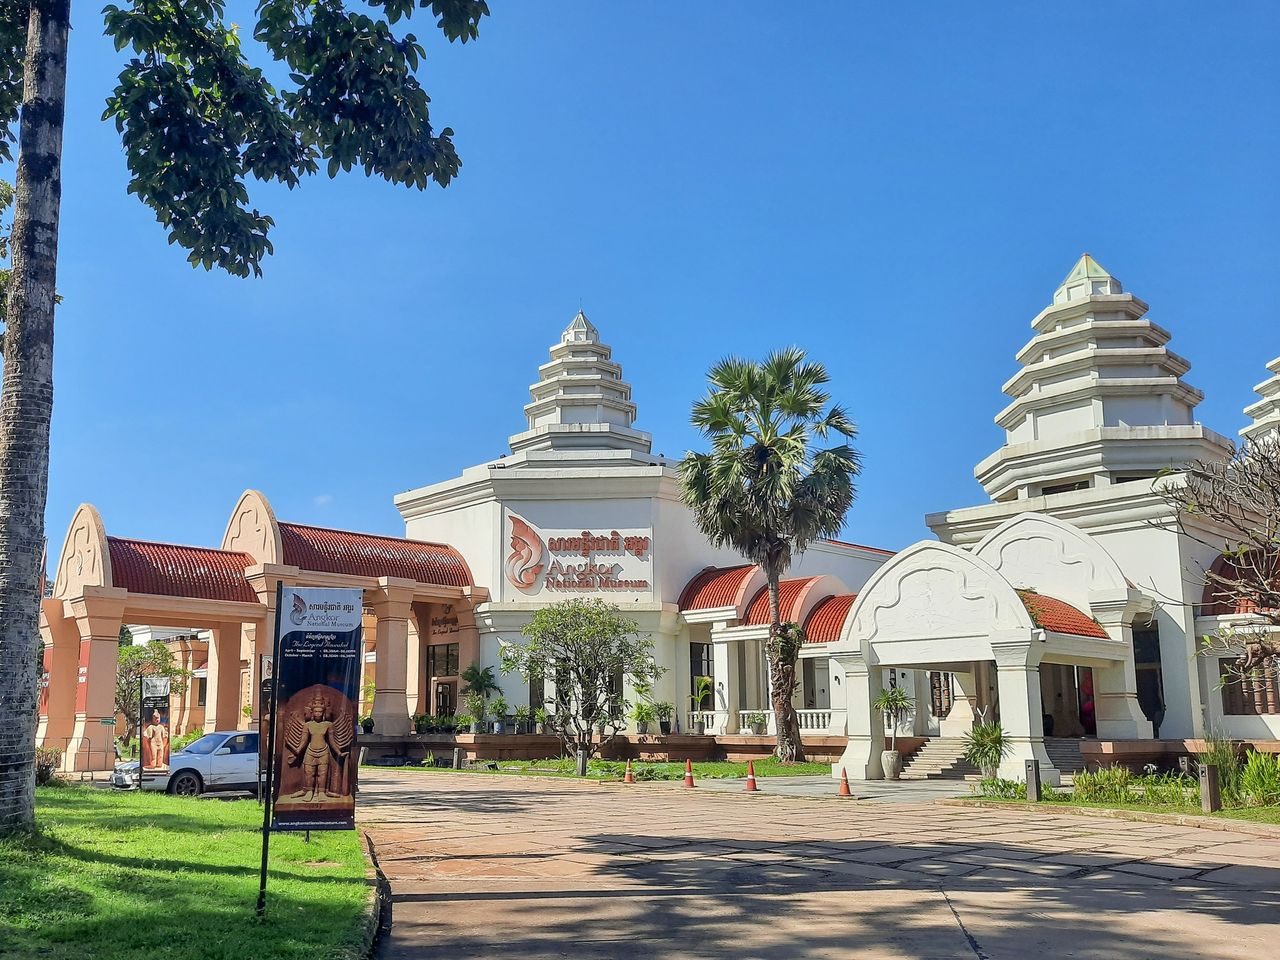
(498, 867)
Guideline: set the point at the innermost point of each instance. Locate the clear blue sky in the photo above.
(897, 188)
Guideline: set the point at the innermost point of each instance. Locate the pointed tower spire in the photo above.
(1099, 399)
(580, 401)
(1265, 413)
(1087, 278)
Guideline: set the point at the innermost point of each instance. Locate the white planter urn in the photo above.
(891, 761)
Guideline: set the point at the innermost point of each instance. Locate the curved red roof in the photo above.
(1059, 616)
(174, 570)
(826, 620)
(716, 587)
(1219, 600)
(371, 555)
(789, 593)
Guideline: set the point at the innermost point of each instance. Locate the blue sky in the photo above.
(897, 188)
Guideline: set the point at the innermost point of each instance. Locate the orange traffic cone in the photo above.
(630, 777)
(688, 773)
(844, 784)
(751, 777)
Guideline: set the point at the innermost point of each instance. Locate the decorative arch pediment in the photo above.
(933, 591)
(1043, 553)
(86, 558)
(253, 529)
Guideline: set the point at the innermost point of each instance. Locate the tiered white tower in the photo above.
(1265, 414)
(580, 400)
(1099, 400)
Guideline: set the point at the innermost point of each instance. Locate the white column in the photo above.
(864, 725)
(964, 704)
(1115, 688)
(728, 697)
(1021, 712)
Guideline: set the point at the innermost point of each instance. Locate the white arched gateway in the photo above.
(1037, 595)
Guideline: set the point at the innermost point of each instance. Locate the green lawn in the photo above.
(1252, 814)
(643, 770)
(144, 876)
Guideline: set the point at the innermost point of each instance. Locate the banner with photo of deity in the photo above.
(317, 686)
(153, 726)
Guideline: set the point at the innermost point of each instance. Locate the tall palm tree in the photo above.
(767, 489)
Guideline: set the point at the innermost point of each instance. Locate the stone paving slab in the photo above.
(482, 866)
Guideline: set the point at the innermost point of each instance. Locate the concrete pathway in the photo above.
(875, 791)
(503, 867)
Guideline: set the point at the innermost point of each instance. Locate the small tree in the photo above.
(894, 703)
(480, 681)
(1233, 505)
(586, 645)
(136, 662)
(767, 489)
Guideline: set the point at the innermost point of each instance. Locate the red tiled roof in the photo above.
(826, 620)
(1220, 601)
(861, 546)
(716, 587)
(789, 592)
(174, 570)
(1059, 616)
(371, 555)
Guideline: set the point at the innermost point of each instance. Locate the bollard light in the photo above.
(1033, 781)
(1210, 792)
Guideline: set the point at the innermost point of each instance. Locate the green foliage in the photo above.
(703, 687)
(756, 718)
(475, 705)
(541, 715)
(1108, 785)
(997, 788)
(643, 713)
(463, 721)
(135, 662)
(985, 745)
(587, 643)
(895, 704)
(480, 681)
(1224, 754)
(498, 708)
(664, 711)
(198, 120)
(1260, 780)
(48, 760)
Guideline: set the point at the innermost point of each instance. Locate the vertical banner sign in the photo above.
(319, 653)
(154, 725)
(266, 677)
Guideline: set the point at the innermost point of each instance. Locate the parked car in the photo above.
(226, 760)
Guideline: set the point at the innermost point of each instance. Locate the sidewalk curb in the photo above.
(1204, 822)
(378, 920)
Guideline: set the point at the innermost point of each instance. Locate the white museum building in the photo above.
(1070, 605)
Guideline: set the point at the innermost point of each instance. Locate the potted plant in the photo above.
(664, 711)
(702, 688)
(643, 714)
(985, 745)
(522, 719)
(541, 717)
(422, 723)
(498, 713)
(366, 724)
(895, 705)
(758, 723)
(465, 721)
(475, 704)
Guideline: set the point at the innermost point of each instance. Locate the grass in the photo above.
(144, 876)
(1251, 814)
(643, 770)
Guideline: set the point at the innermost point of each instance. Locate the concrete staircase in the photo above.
(941, 758)
(1065, 755)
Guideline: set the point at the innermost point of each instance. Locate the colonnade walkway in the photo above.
(495, 867)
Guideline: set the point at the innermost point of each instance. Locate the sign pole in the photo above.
(271, 756)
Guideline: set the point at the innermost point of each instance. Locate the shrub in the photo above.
(643, 713)
(1260, 780)
(1000, 789)
(48, 760)
(985, 746)
(1108, 785)
(1168, 789)
(1224, 754)
(186, 739)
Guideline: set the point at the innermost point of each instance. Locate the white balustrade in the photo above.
(814, 721)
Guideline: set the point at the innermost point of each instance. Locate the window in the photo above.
(1249, 694)
(701, 664)
(242, 743)
(202, 690)
(1053, 488)
(443, 659)
(537, 692)
(941, 694)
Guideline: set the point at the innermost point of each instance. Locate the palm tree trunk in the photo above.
(782, 671)
(26, 399)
